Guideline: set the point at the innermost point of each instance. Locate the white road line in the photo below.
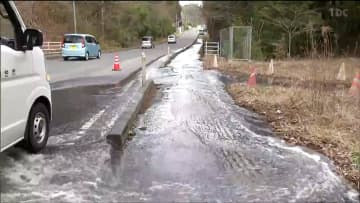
(112, 121)
(92, 120)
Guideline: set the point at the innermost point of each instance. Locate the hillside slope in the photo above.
(122, 23)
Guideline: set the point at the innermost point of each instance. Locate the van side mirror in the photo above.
(32, 38)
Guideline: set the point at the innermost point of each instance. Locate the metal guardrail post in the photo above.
(250, 43)
(206, 48)
(231, 33)
(143, 76)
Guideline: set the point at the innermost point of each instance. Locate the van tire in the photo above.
(38, 123)
(99, 55)
(65, 58)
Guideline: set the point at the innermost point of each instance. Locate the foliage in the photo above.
(191, 15)
(122, 23)
(304, 28)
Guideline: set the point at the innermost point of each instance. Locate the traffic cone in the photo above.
(252, 79)
(116, 63)
(342, 74)
(215, 63)
(355, 86)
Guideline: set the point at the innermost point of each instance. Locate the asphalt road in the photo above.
(82, 117)
(60, 70)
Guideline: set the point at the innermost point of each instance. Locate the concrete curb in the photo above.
(119, 133)
(99, 80)
(179, 52)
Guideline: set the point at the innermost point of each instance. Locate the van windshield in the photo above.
(73, 39)
(146, 39)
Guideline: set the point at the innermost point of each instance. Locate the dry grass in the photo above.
(315, 69)
(323, 118)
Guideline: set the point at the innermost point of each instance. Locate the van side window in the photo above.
(7, 29)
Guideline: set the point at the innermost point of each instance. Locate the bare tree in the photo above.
(291, 18)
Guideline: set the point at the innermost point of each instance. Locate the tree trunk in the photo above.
(289, 50)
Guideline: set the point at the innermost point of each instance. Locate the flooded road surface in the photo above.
(77, 157)
(197, 145)
(192, 144)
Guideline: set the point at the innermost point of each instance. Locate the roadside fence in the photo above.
(51, 48)
(212, 48)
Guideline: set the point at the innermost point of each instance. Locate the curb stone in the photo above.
(94, 81)
(119, 133)
(179, 52)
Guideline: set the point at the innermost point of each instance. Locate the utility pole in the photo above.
(102, 22)
(32, 8)
(176, 22)
(74, 11)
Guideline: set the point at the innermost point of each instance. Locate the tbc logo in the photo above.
(338, 12)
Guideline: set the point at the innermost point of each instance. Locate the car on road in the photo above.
(171, 39)
(25, 90)
(201, 32)
(83, 46)
(147, 42)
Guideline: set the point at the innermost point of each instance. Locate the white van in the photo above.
(25, 89)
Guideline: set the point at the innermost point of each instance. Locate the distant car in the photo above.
(171, 39)
(147, 42)
(201, 32)
(81, 46)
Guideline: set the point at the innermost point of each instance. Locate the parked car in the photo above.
(25, 90)
(201, 32)
(80, 45)
(147, 42)
(171, 39)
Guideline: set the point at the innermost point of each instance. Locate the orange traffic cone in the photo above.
(116, 63)
(355, 86)
(252, 79)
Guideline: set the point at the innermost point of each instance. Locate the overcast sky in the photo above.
(182, 3)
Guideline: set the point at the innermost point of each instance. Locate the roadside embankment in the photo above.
(304, 104)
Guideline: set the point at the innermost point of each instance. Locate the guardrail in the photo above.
(51, 48)
(212, 48)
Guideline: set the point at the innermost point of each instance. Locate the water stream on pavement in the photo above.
(192, 144)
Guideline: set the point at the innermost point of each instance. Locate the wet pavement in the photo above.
(192, 144)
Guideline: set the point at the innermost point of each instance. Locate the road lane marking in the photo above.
(92, 120)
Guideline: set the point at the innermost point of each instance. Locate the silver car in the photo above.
(147, 42)
(171, 39)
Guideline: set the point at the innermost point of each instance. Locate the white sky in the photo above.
(182, 3)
